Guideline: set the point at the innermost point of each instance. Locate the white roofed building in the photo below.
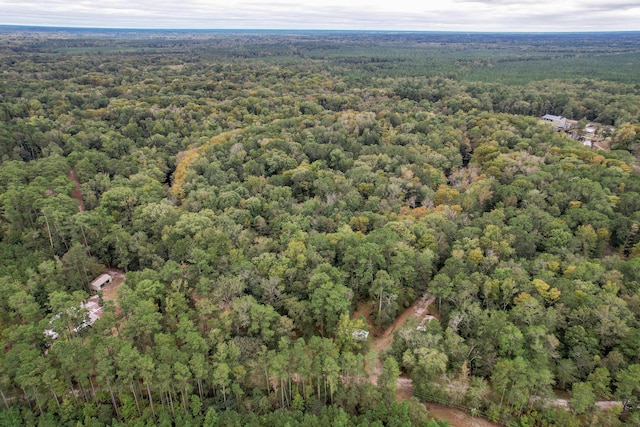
(100, 281)
(559, 122)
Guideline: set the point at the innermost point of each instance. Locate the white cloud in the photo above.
(460, 15)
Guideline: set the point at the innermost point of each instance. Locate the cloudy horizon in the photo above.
(399, 15)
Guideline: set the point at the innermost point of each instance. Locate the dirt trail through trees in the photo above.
(382, 341)
(77, 192)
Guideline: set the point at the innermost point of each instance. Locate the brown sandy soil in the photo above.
(605, 405)
(76, 193)
(364, 309)
(405, 388)
(419, 309)
(601, 145)
(608, 404)
(456, 417)
(110, 291)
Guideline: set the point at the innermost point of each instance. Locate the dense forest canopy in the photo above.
(257, 187)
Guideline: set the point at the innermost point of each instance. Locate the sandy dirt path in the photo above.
(382, 340)
(456, 417)
(77, 192)
(418, 310)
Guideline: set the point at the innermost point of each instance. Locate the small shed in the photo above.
(100, 281)
(559, 122)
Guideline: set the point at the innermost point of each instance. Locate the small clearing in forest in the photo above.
(110, 291)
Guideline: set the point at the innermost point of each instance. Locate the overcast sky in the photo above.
(425, 15)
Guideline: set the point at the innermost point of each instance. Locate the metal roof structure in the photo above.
(100, 281)
(93, 312)
(552, 118)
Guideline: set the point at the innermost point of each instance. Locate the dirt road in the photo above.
(382, 341)
(456, 417)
